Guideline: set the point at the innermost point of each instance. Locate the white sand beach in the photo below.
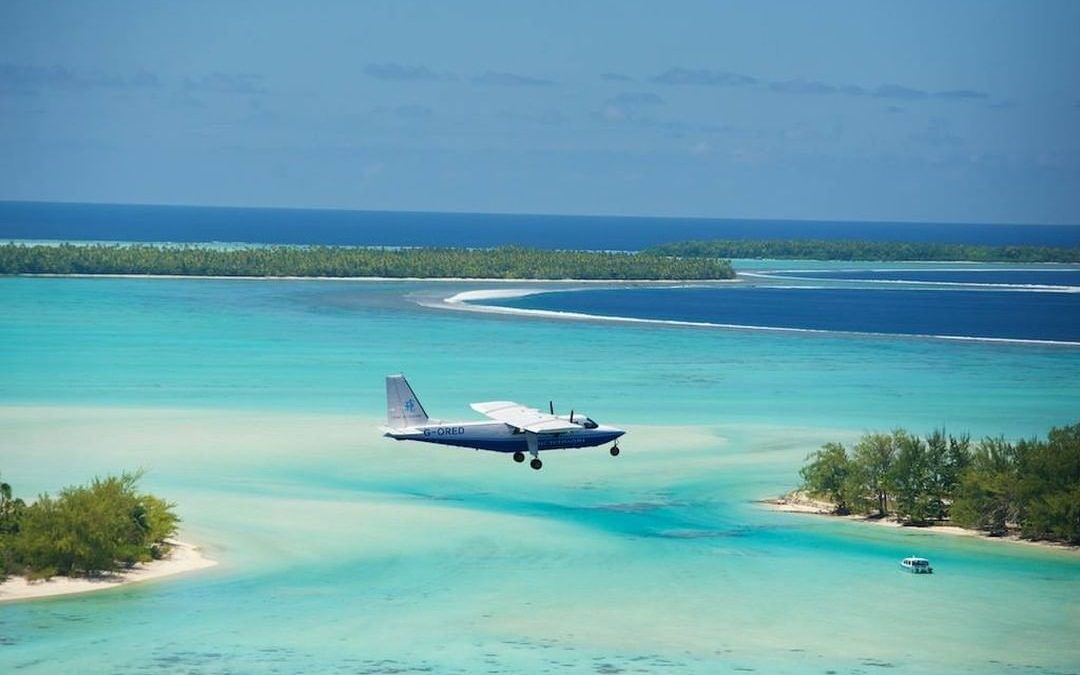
(492, 294)
(799, 502)
(184, 558)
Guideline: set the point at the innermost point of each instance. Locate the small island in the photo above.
(88, 537)
(507, 262)
(878, 251)
(1028, 489)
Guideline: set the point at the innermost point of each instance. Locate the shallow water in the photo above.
(254, 406)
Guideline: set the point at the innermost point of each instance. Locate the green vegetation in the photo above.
(811, 249)
(1031, 487)
(326, 261)
(11, 511)
(86, 530)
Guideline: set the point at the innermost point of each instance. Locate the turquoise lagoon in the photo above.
(255, 404)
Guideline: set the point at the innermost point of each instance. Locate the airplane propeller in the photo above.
(551, 409)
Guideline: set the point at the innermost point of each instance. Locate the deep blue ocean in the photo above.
(110, 222)
(996, 314)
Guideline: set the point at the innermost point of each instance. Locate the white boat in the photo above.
(916, 565)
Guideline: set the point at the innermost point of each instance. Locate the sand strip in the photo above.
(183, 558)
(799, 503)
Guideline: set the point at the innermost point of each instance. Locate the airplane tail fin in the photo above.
(403, 409)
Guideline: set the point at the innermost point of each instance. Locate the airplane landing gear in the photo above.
(614, 451)
(536, 463)
(519, 457)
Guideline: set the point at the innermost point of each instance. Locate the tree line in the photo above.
(508, 262)
(85, 530)
(897, 251)
(1031, 486)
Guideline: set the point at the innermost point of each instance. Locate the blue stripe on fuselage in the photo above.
(517, 443)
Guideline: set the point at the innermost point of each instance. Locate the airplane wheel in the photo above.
(519, 457)
(536, 463)
(614, 451)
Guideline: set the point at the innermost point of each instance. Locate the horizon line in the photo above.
(543, 215)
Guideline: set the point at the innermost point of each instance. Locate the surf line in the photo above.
(1031, 288)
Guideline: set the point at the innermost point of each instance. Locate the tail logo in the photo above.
(409, 405)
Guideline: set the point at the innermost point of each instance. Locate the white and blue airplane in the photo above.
(516, 429)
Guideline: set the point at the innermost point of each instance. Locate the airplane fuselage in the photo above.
(512, 428)
(499, 437)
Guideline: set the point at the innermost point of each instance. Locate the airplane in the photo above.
(516, 429)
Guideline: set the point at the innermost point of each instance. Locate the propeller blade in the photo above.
(571, 414)
(551, 407)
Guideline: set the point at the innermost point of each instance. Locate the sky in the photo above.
(960, 111)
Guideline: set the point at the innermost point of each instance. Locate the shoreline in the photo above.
(796, 502)
(183, 558)
(228, 277)
(464, 299)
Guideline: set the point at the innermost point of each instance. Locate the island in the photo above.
(88, 537)
(1027, 489)
(881, 251)
(507, 262)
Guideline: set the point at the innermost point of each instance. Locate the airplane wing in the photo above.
(521, 417)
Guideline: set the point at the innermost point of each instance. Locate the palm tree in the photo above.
(10, 510)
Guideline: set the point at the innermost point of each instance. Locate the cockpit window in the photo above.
(589, 424)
